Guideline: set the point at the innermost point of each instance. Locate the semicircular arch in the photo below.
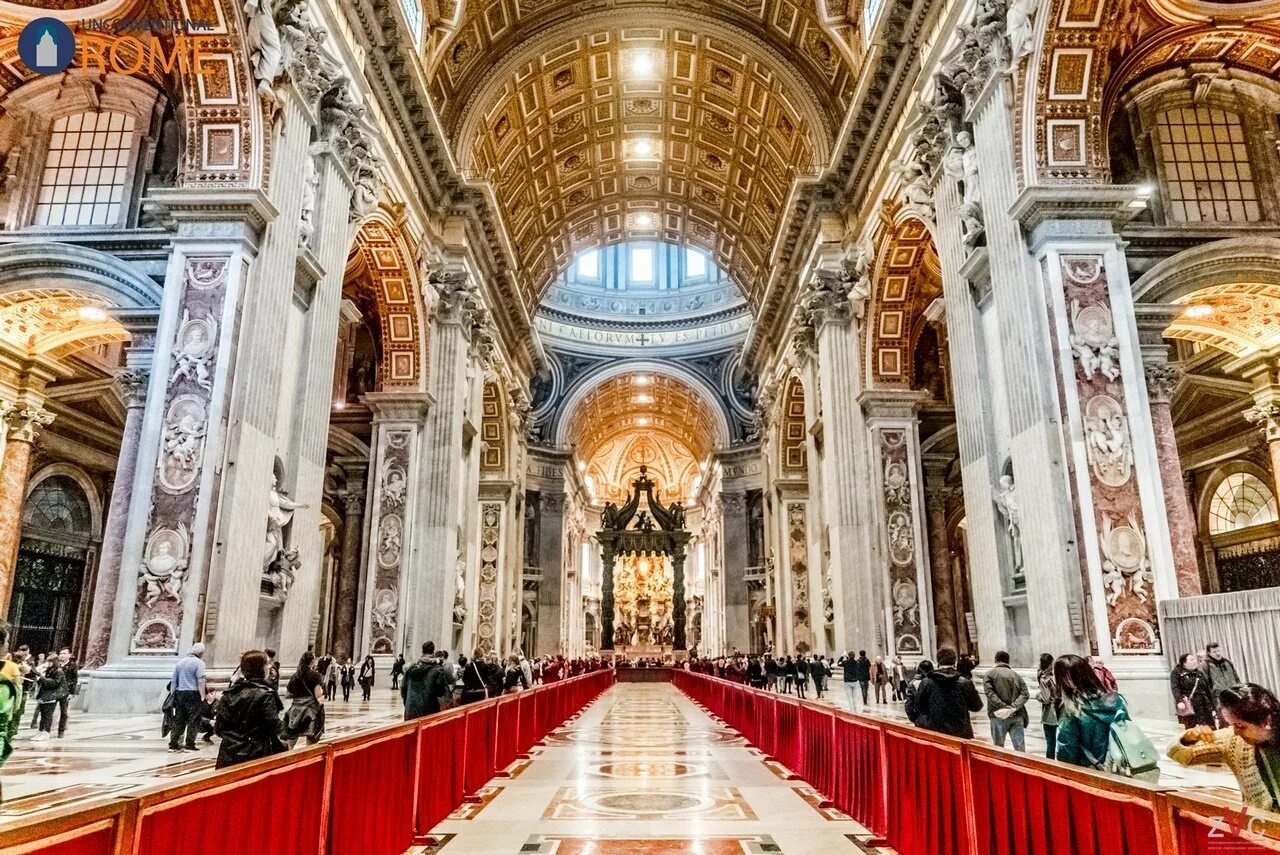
(381, 256)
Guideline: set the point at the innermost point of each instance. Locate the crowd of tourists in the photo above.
(1083, 713)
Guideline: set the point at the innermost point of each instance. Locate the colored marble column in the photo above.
(23, 425)
(945, 613)
(1162, 378)
(133, 385)
(347, 597)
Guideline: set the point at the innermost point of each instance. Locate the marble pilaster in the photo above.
(133, 386)
(737, 619)
(23, 424)
(554, 565)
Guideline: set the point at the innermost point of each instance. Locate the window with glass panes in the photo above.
(1208, 177)
(85, 170)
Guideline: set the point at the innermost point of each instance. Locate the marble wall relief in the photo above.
(1127, 577)
(900, 522)
(487, 605)
(798, 559)
(388, 543)
(167, 557)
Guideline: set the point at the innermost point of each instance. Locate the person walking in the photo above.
(51, 688)
(1088, 711)
(1050, 700)
(397, 670)
(70, 673)
(849, 675)
(946, 698)
(1191, 699)
(331, 679)
(348, 679)
(880, 679)
(819, 671)
(802, 676)
(1222, 675)
(898, 679)
(1249, 745)
(911, 707)
(190, 690)
(1007, 697)
(306, 710)
(247, 716)
(474, 685)
(788, 675)
(367, 669)
(864, 675)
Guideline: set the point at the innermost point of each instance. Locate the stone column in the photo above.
(892, 420)
(553, 564)
(1265, 414)
(347, 587)
(393, 557)
(23, 423)
(946, 615)
(133, 386)
(737, 621)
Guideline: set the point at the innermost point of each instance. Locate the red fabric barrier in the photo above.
(925, 815)
(764, 725)
(528, 704)
(442, 748)
(818, 755)
(859, 787)
(1017, 811)
(506, 732)
(481, 721)
(289, 800)
(383, 824)
(1228, 836)
(787, 734)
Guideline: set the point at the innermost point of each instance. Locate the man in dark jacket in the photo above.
(425, 683)
(247, 716)
(1221, 674)
(864, 674)
(912, 693)
(1007, 696)
(849, 674)
(945, 699)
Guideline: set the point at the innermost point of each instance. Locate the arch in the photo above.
(908, 278)
(47, 264)
(1213, 485)
(381, 257)
(792, 430)
(583, 387)
(1253, 260)
(493, 428)
(81, 480)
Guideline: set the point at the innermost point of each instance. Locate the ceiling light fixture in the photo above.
(642, 147)
(642, 63)
(643, 399)
(93, 314)
(642, 421)
(643, 220)
(1200, 310)
(643, 380)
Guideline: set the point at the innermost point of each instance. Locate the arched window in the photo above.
(1241, 501)
(58, 506)
(85, 170)
(1207, 174)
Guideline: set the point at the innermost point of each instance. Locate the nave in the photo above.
(644, 770)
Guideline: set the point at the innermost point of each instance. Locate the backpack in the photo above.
(1130, 752)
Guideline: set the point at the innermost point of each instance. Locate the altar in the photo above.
(643, 607)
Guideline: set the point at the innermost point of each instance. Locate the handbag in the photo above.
(1184, 707)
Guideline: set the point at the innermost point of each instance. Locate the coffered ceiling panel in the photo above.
(646, 403)
(701, 147)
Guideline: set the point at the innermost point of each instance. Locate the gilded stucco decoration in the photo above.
(908, 280)
(379, 263)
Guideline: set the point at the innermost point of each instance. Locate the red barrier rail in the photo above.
(314, 801)
(929, 794)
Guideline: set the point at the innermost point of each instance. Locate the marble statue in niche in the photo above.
(1107, 439)
(1007, 504)
(164, 564)
(1093, 341)
(280, 510)
(310, 193)
(1125, 565)
(265, 52)
(184, 432)
(283, 571)
(915, 189)
(194, 350)
(460, 593)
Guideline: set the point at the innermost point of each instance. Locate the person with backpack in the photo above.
(912, 691)
(1094, 728)
(946, 698)
(425, 683)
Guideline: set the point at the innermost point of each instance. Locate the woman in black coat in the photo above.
(474, 685)
(1192, 700)
(247, 716)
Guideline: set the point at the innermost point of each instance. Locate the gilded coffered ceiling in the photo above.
(647, 126)
(663, 407)
(1242, 319)
(55, 322)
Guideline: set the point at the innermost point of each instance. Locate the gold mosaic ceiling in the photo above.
(649, 125)
(1242, 319)
(642, 418)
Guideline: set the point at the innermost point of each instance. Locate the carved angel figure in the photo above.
(1020, 17)
(265, 51)
(182, 440)
(1093, 341)
(284, 570)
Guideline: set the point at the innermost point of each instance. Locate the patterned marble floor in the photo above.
(643, 770)
(107, 754)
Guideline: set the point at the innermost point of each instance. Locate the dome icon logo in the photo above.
(46, 46)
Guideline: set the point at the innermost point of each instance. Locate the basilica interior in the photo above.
(643, 329)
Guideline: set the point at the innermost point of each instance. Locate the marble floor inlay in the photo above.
(645, 770)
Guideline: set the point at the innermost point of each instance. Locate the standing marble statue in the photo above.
(280, 510)
(265, 51)
(1007, 503)
(1020, 20)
